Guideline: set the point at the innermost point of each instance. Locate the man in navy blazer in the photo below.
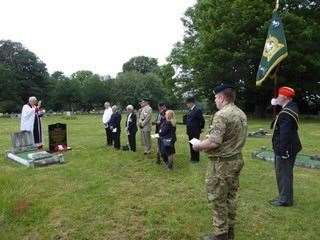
(115, 126)
(286, 145)
(131, 127)
(195, 123)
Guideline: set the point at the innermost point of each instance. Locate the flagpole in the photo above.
(275, 92)
(277, 6)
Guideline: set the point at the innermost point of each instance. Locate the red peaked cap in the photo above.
(286, 91)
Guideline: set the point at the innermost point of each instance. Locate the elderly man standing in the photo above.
(115, 126)
(195, 123)
(161, 118)
(145, 124)
(227, 136)
(286, 145)
(105, 119)
(30, 119)
(131, 127)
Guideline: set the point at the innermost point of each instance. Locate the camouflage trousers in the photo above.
(222, 183)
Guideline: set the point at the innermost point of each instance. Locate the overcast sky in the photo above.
(96, 35)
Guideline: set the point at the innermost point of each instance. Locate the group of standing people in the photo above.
(165, 128)
(223, 144)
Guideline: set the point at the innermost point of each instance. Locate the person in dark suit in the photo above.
(115, 126)
(131, 127)
(162, 108)
(286, 145)
(195, 123)
(167, 136)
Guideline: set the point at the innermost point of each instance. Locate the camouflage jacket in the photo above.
(229, 131)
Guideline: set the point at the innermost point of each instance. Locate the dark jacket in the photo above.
(131, 123)
(285, 139)
(115, 121)
(167, 130)
(167, 134)
(195, 121)
(160, 120)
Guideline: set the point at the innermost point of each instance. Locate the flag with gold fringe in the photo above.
(275, 48)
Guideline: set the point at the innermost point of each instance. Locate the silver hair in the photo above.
(106, 104)
(129, 107)
(114, 108)
(33, 98)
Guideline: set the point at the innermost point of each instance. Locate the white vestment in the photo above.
(27, 118)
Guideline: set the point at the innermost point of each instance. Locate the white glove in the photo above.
(274, 102)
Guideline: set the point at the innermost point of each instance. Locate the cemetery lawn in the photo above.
(101, 193)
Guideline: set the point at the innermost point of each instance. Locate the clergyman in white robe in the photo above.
(30, 121)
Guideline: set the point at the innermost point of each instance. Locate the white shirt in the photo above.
(107, 115)
(128, 119)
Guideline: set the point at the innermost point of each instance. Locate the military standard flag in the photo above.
(275, 49)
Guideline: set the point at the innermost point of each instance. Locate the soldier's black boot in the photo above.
(231, 233)
(223, 236)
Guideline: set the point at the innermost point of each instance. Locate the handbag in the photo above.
(167, 142)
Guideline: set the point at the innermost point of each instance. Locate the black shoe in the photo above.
(273, 200)
(223, 236)
(278, 203)
(231, 233)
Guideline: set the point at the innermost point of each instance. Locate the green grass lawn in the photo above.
(101, 193)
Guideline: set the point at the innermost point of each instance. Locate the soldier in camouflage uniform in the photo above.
(224, 144)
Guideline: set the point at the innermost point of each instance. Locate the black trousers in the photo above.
(194, 155)
(132, 141)
(116, 140)
(109, 136)
(284, 176)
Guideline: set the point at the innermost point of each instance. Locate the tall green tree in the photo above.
(130, 87)
(10, 99)
(224, 40)
(31, 76)
(94, 92)
(141, 64)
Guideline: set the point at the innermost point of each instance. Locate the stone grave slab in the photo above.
(25, 152)
(302, 160)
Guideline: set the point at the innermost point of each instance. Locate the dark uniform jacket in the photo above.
(160, 120)
(167, 132)
(195, 121)
(115, 121)
(285, 138)
(131, 124)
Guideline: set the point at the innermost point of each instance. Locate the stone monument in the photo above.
(57, 137)
(24, 151)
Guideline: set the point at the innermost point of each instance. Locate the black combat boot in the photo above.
(231, 233)
(223, 236)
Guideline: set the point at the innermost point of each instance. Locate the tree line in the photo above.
(223, 41)
(22, 75)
